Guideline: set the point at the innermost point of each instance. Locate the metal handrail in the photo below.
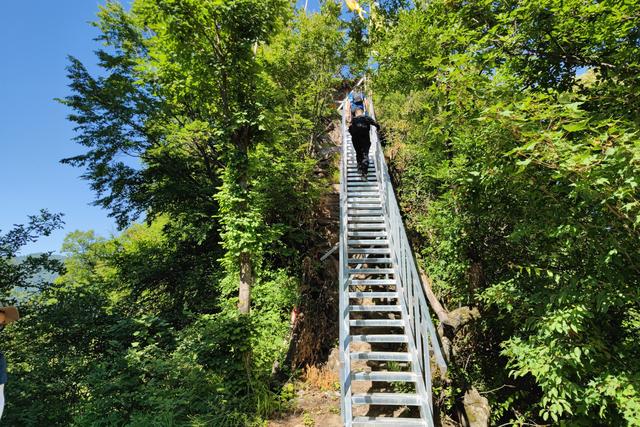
(423, 331)
(345, 365)
(420, 328)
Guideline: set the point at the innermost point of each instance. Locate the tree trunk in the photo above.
(246, 281)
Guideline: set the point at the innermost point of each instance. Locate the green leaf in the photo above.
(575, 127)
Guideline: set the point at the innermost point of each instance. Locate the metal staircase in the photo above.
(386, 333)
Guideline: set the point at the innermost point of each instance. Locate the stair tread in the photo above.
(376, 282)
(374, 251)
(389, 295)
(354, 214)
(387, 421)
(367, 233)
(380, 338)
(394, 323)
(391, 376)
(370, 261)
(396, 356)
(371, 270)
(374, 308)
(410, 399)
(367, 226)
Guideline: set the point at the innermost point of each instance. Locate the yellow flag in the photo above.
(355, 7)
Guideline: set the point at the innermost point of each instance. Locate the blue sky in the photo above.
(35, 39)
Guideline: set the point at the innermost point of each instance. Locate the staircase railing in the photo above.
(420, 328)
(410, 288)
(345, 361)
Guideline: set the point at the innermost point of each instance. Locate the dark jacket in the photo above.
(360, 126)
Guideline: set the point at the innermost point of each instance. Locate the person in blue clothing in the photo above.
(357, 100)
(7, 315)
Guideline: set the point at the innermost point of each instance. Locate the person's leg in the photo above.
(1, 399)
(365, 157)
(357, 146)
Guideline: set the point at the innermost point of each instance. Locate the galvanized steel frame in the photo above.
(419, 326)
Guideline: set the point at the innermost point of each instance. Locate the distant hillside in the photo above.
(42, 276)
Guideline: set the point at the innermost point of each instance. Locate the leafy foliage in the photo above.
(26, 274)
(196, 125)
(519, 182)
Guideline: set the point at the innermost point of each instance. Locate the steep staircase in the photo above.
(387, 337)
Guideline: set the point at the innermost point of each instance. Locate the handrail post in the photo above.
(345, 367)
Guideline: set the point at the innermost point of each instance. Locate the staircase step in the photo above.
(367, 194)
(367, 185)
(374, 308)
(390, 376)
(363, 195)
(370, 261)
(370, 189)
(364, 212)
(384, 356)
(376, 323)
(367, 233)
(372, 282)
(387, 421)
(369, 242)
(380, 251)
(366, 201)
(370, 271)
(367, 226)
(380, 338)
(388, 295)
(360, 192)
(409, 399)
(360, 207)
(379, 219)
(358, 204)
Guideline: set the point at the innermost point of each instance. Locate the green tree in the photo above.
(519, 183)
(198, 126)
(22, 275)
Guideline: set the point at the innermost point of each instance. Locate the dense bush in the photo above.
(519, 181)
(222, 105)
